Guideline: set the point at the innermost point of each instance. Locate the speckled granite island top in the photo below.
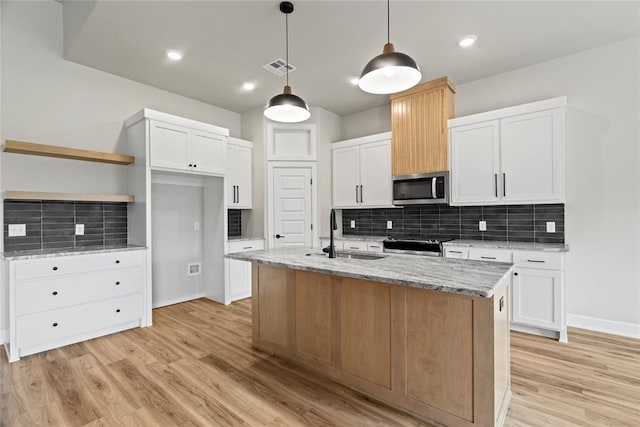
(475, 278)
(521, 246)
(48, 253)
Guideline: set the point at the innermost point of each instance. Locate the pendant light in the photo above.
(391, 71)
(287, 107)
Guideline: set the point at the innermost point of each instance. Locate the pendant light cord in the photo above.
(286, 20)
(388, 36)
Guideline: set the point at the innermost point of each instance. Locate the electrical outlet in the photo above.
(196, 226)
(551, 227)
(17, 230)
(353, 223)
(389, 225)
(79, 229)
(482, 225)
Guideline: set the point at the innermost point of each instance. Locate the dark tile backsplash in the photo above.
(234, 223)
(51, 225)
(524, 223)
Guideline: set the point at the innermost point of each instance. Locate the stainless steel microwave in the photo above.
(421, 189)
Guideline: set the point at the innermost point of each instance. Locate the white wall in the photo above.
(602, 211)
(368, 122)
(52, 101)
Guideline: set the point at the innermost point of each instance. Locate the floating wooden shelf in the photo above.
(66, 153)
(78, 197)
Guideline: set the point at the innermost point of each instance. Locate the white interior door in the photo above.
(292, 207)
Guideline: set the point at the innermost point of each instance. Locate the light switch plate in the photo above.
(551, 227)
(196, 226)
(353, 223)
(482, 225)
(79, 229)
(17, 230)
(389, 225)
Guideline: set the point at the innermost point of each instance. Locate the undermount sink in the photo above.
(357, 256)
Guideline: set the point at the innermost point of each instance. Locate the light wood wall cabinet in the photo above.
(538, 291)
(419, 127)
(361, 172)
(239, 174)
(440, 356)
(62, 300)
(509, 156)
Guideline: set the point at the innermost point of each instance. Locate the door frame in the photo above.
(314, 197)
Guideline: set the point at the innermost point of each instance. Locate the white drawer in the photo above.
(534, 259)
(37, 330)
(495, 255)
(42, 295)
(375, 247)
(455, 252)
(58, 266)
(354, 245)
(246, 245)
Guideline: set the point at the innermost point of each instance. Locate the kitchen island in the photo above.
(426, 335)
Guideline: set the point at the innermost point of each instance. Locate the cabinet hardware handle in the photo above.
(353, 247)
(504, 184)
(515, 273)
(238, 189)
(455, 252)
(361, 196)
(488, 257)
(118, 311)
(55, 268)
(374, 246)
(501, 304)
(357, 201)
(536, 260)
(55, 324)
(248, 247)
(117, 283)
(190, 165)
(55, 293)
(117, 261)
(195, 166)
(495, 182)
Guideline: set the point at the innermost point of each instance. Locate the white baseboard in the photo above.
(177, 300)
(602, 325)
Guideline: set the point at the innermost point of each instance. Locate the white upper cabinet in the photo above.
(361, 172)
(509, 156)
(239, 175)
(185, 149)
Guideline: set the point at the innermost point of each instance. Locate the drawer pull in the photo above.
(374, 246)
(536, 260)
(488, 257)
(353, 247)
(117, 283)
(55, 293)
(118, 311)
(55, 268)
(117, 261)
(455, 252)
(248, 247)
(55, 324)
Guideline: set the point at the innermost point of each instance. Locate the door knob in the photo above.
(278, 236)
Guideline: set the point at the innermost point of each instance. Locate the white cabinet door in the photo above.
(170, 147)
(239, 272)
(346, 177)
(207, 152)
(475, 163)
(537, 297)
(531, 151)
(375, 174)
(243, 177)
(230, 177)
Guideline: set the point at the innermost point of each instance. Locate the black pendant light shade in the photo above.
(391, 71)
(287, 107)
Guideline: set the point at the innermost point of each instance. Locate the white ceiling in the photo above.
(226, 42)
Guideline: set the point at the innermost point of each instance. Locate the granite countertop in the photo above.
(522, 246)
(243, 238)
(48, 253)
(360, 238)
(475, 278)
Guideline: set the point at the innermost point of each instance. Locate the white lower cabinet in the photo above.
(239, 272)
(67, 299)
(537, 295)
(354, 245)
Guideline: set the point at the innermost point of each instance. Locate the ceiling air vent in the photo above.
(278, 67)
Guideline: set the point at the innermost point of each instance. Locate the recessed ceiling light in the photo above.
(467, 41)
(354, 81)
(248, 86)
(174, 55)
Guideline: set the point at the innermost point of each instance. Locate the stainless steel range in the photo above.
(414, 246)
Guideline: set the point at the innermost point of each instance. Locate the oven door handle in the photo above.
(434, 193)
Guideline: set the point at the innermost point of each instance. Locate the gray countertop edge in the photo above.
(520, 246)
(246, 256)
(361, 238)
(50, 253)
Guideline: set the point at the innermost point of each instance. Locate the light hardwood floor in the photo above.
(195, 366)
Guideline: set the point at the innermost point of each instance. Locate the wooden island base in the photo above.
(440, 356)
